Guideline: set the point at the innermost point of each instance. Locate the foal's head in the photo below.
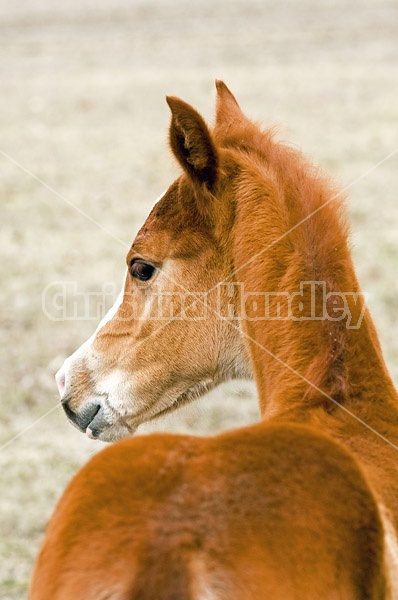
(169, 338)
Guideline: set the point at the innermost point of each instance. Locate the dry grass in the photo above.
(81, 107)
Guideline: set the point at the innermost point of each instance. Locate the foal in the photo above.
(242, 267)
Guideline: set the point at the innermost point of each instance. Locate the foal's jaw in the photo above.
(112, 406)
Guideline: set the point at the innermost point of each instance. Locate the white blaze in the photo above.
(62, 375)
(113, 310)
(391, 554)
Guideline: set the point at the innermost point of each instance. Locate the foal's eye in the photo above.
(141, 270)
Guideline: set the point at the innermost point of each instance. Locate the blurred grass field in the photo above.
(82, 109)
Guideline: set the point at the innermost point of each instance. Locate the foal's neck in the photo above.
(312, 341)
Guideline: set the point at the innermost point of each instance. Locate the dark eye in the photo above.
(141, 270)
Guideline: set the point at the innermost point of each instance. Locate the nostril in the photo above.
(83, 417)
(72, 416)
(60, 378)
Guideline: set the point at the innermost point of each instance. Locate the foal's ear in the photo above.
(227, 109)
(192, 144)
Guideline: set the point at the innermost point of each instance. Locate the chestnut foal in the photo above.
(242, 267)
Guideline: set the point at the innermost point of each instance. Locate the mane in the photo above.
(301, 233)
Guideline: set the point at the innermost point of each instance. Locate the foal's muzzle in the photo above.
(90, 419)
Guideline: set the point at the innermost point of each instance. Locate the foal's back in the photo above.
(244, 515)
